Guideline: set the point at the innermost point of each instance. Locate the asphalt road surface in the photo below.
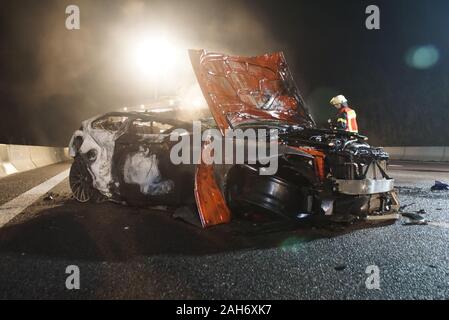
(125, 252)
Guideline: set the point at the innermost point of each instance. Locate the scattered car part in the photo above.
(401, 208)
(50, 196)
(383, 217)
(340, 267)
(440, 186)
(414, 219)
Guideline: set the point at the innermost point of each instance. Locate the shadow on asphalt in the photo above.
(111, 232)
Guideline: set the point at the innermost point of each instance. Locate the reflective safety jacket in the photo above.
(346, 119)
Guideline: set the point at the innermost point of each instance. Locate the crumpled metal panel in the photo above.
(211, 204)
(249, 89)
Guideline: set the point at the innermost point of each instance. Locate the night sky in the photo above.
(397, 78)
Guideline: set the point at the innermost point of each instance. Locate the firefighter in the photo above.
(346, 118)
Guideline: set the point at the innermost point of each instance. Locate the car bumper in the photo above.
(364, 187)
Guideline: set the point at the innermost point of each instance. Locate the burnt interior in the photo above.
(136, 138)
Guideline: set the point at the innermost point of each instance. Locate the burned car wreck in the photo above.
(124, 156)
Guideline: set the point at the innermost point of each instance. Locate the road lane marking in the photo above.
(12, 208)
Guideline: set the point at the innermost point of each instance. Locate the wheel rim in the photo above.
(80, 182)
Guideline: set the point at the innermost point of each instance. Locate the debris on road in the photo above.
(160, 208)
(421, 211)
(440, 186)
(401, 208)
(414, 219)
(340, 267)
(50, 196)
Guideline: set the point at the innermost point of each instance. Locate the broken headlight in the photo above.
(91, 155)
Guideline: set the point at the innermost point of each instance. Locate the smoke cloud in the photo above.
(62, 77)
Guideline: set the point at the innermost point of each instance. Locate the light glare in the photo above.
(154, 55)
(423, 57)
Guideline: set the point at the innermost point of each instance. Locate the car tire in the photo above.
(273, 196)
(81, 182)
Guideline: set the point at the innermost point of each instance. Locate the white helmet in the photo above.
(340, 99)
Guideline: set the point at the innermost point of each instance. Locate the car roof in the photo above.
(166, 117)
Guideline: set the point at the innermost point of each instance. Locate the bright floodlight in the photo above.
(154, 55)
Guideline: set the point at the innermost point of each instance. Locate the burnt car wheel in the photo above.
(81, 182)
(274, 196)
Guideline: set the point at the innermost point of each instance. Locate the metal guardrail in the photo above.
(437, 154)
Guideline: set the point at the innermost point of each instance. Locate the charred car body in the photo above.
(125, 156)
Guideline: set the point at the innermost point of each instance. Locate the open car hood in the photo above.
(247, 90)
